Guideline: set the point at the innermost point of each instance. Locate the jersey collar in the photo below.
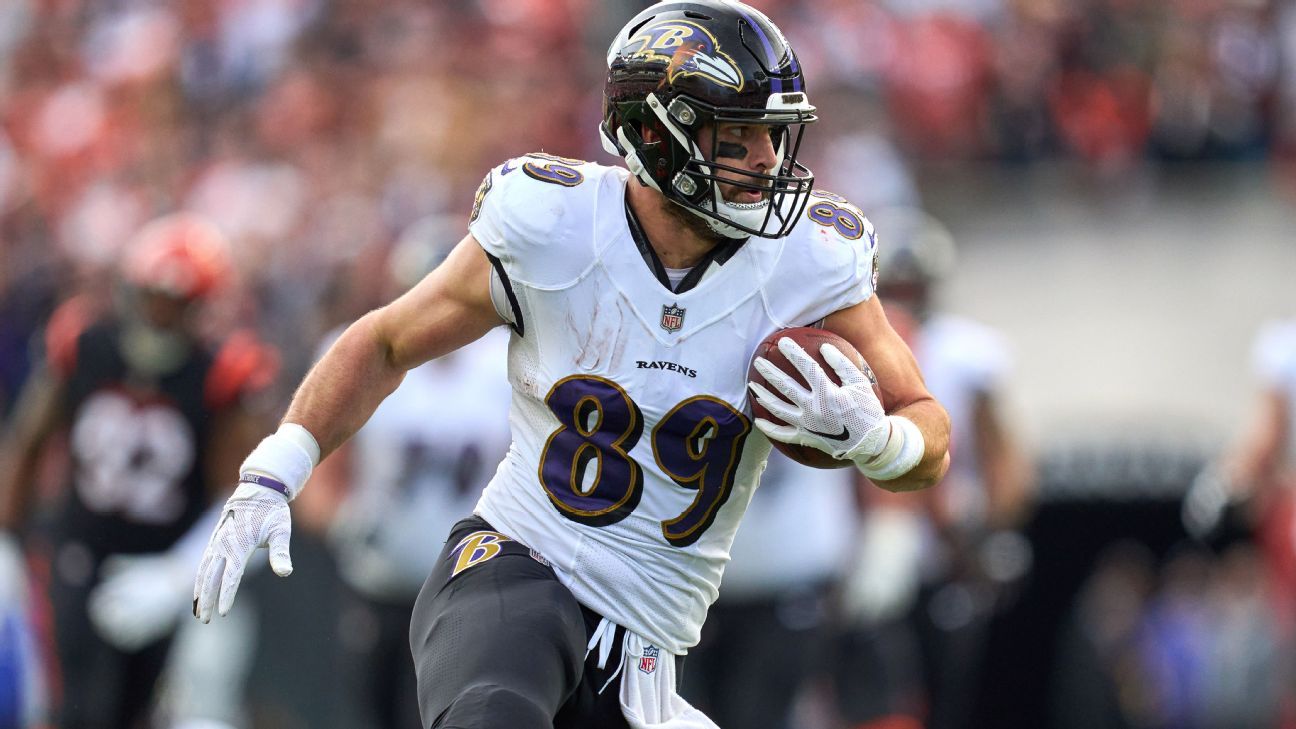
(719, 255)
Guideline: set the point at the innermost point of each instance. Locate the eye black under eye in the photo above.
(731, 150)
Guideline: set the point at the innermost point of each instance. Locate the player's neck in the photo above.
(676, 243)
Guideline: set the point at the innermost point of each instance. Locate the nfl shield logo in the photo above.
(672, 318)
(648, 661)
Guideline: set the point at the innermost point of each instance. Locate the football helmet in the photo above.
(678, 68)
(181, 255)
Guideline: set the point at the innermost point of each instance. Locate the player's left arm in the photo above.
(904, 393)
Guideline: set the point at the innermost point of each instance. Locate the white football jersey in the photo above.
(634, 454)
(416, 473)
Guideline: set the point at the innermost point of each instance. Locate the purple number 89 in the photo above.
(590, 477)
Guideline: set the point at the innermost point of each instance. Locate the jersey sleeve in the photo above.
(532, 215)
(829, 262)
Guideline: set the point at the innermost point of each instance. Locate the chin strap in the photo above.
(620, 146)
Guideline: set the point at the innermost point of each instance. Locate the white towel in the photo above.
(648, 697)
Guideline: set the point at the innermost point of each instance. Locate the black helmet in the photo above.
(680, 66)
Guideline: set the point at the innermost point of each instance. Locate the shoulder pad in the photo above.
(243, 365)
(535, 214)
(833, 245)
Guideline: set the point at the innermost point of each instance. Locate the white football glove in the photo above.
(845, 421)
(254, 516)
(140, 599)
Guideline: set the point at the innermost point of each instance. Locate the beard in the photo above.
(692, 222)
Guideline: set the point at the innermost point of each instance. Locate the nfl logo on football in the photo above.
(672, 318)
(648, 661)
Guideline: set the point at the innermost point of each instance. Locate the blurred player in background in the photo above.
(1248, 493)
(1265, 462)
(636, 299)
(154, 420)
(409, 475)
(767, 636)
(929, 574)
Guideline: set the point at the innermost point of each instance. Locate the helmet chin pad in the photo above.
(749, 214)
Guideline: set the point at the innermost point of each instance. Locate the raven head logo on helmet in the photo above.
(688, 49)
(679, 68)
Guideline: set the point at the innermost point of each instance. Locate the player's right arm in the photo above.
(450, 307)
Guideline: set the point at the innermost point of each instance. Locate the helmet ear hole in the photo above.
(652, 132)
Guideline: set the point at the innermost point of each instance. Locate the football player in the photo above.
(153, 417)
(1247, 493)
(635, 297)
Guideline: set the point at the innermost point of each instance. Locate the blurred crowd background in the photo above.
(1119, 177)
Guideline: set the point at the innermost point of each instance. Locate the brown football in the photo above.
(810, 340)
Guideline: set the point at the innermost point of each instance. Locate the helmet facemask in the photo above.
(677, 166)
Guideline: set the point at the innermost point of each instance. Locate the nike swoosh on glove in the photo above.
(846, 421)
(254, 516)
